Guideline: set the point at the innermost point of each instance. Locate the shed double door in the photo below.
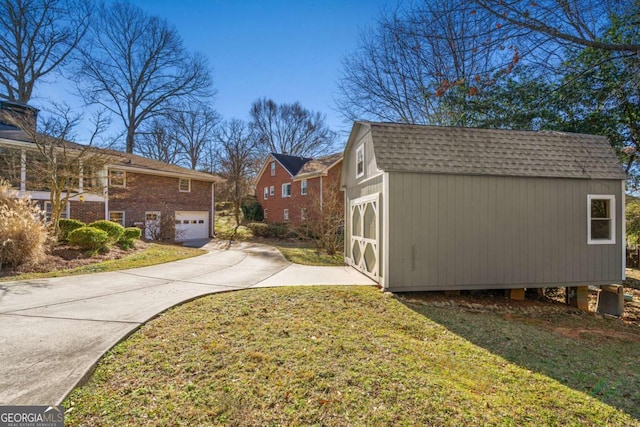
(364, 240)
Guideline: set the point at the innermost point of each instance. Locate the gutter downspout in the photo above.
(213, 209)
(321, 193)
(105, 193)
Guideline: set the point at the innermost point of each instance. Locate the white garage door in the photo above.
(191, 225)
(364, 235)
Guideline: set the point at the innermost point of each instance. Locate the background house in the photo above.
(167, 201)
(444, 208)
(287, 187)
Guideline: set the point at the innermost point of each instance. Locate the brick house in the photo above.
(167, 201)
(289, 186)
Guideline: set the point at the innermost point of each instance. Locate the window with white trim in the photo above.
(303, 214)
(272, 191)
(360, 161)
(266, 213)
(48, 210)
(303, 187)
(273, 168)
(285, 215)
(117, 178)
(185, 185)
(117, 216)
(286, 190)
(266, 193)
(601, 219)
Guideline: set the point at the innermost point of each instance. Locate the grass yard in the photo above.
(340, 356)
(300, 252)
(152, 254)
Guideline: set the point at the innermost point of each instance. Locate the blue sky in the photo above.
(284, 50)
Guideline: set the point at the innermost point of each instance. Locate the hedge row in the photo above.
(99, 235)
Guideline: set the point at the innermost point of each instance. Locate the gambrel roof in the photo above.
(470, 151)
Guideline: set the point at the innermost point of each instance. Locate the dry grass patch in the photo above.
(339, 356)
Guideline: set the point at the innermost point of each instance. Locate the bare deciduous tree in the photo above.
(194, 132)
(36, 38)
(135, 65)
(156, 140)
(421, 65)
(576, 22)
(290, 129)
(324, 219)
(57, 164)
(237, 152)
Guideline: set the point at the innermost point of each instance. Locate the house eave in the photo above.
(128, 168)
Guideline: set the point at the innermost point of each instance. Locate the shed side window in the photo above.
(360, 161)
(601, 219)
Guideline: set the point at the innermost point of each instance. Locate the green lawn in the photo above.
(300, 252)
(340, 356)
(152, 255)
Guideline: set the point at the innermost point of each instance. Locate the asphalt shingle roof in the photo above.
(469, 151)
(291, 163)
(319, 165)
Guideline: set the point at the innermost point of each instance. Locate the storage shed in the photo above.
(449, 208)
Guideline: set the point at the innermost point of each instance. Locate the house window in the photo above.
(601, 219)
(303, 187)
(185, 185)
(266, 193)
(48, 210)
(266, 214)
(286, 190)
(272, 190)
(285, 215)
(117, 178)
(273, 168)
(360, 161)
(303, 214)
(117, 216)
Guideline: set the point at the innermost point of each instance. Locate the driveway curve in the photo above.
(54, 331)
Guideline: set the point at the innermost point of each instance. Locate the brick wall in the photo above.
(144, 193)
(276, 204)
(87, 212)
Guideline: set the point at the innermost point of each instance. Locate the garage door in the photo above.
(364, 244)
(191, 225)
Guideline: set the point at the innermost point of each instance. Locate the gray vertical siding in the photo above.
(355, 188)
(473, 232)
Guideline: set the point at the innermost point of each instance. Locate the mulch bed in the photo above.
(63, 257)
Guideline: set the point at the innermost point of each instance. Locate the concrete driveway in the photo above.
(54, 331)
